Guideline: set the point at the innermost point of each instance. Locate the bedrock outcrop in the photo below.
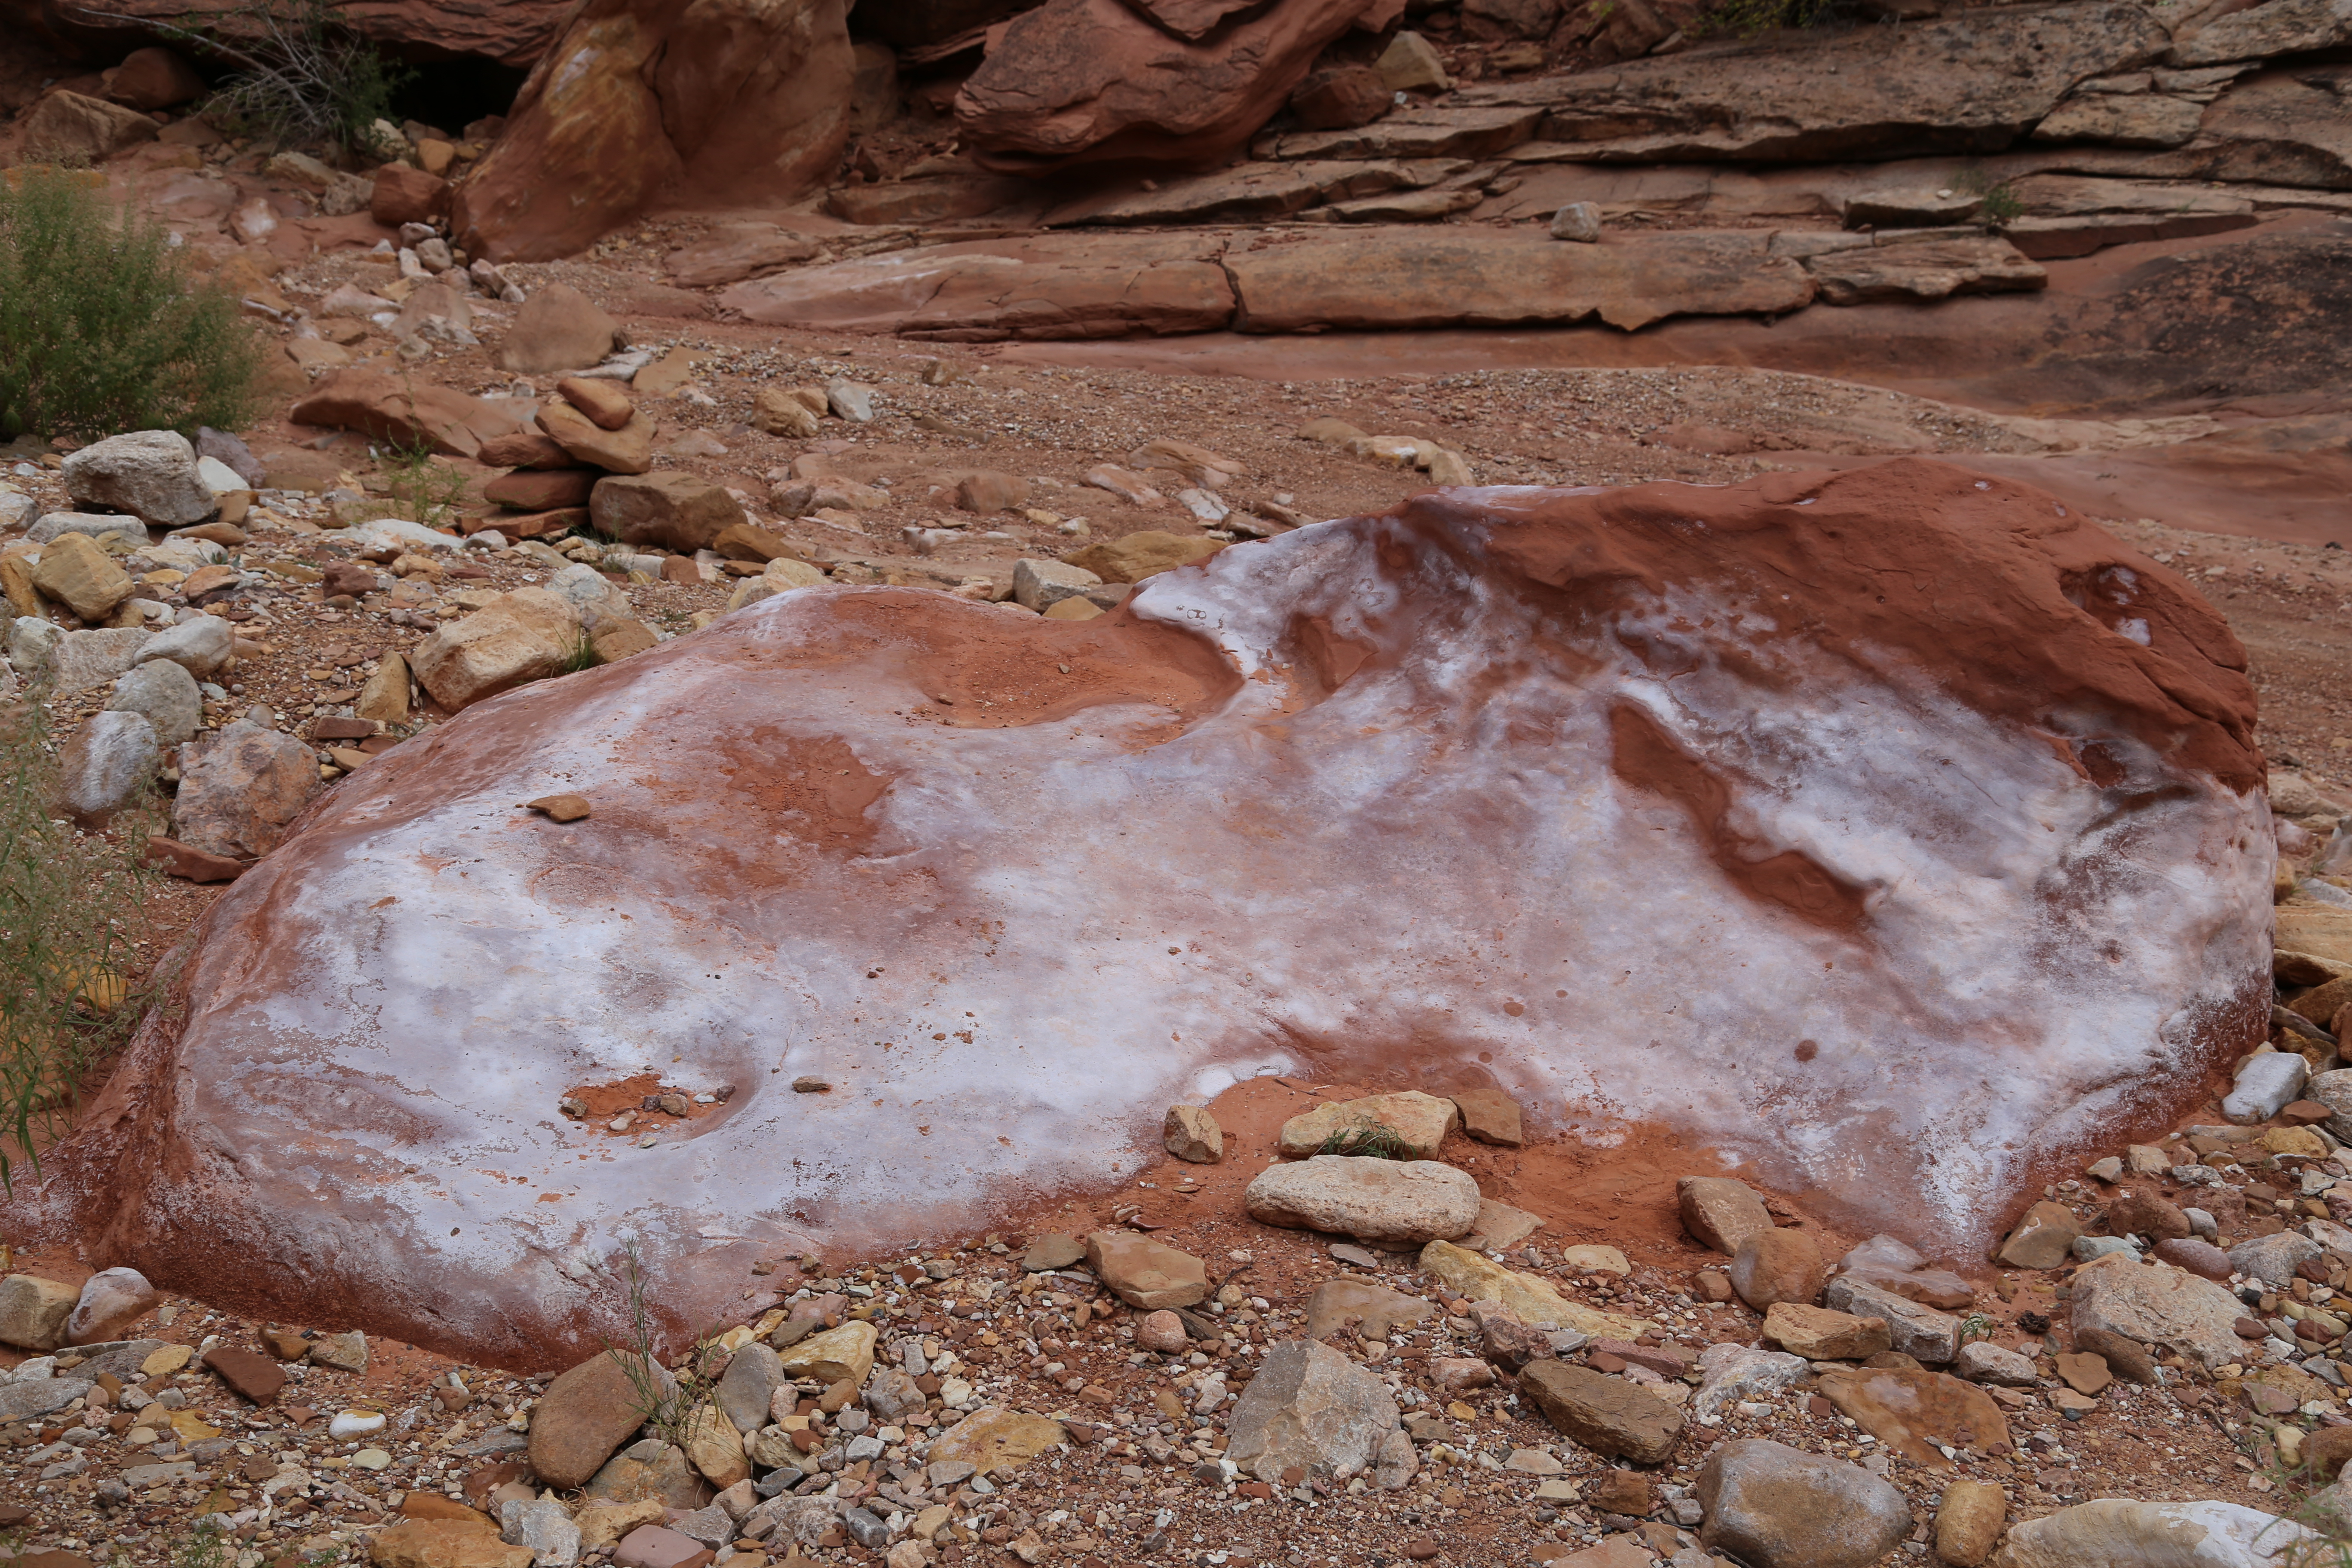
(725, 104)
(1899, 832)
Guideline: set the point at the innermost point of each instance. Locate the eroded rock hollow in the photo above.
(1898, 833)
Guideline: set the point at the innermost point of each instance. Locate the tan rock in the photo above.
(601, 1523)
(715, 1446)
(1778, 1266)
(1918, 1414)
(997, 1441)
(844, 1354)
(628, 450)
(2045, 1238)
(1968, 1519)
(1721, 1212)
(525, 636)
(33, 1310)
(1595, 1259)
(2157, 1304)
(1191, 1134)
(444, 1543)
(1406, 1202)
(619, 637)
(778, 413)
(558, 328)
(80, 576)
(68, 128)
(588, 1411)
(1073, 609)
(1489, 1115)
(1607, 1414)
(1819, 1334)
(1146, 1273)
(1140, 555)
(1501, 1227)
(1475, 1278)
(1416, 1123)
(669, 511)
(606, 402)
(386, 696)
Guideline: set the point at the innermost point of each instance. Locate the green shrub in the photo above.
(299, 75)
(70, 917)
(421, 490)
(101, 329)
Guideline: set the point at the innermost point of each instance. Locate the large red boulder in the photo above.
(719, 104)
(389, 407)
(1898, 834)
(1182, 82)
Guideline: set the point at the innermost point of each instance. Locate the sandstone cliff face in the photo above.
(716, 103)
(1896, 831)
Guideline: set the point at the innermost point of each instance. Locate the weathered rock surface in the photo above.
(401, 409)
(1607, 1414)
(151, 473)
(1146, 1273)
(1371, 1199)
(2123, 1532)
(1532, 1298)
(1191, 1134)
(1666, 773)
(725, 104)
(1818, 1334)
(1090, 80)
(525, 636)
(1963, 83)
(668, 511)
(1312, 1408)
(1778, 1507)
(242, 790)
(111, 1300)
(107, 767)
(33, 1314)
(165, 695)
(511, 32)
(1918, 1330)
(1721, 1212)
(1918, 1414)
(72, 129)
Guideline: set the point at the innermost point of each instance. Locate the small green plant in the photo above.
(582, 656)
(2000, 204)
(666, 1405)
(1373, 1140)
(208, 1545)
(101, 329)
(2299, 1505)
(1975, 1326)
(421, 490)
(300, 73)
(70, 917)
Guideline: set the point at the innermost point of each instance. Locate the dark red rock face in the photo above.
(1181, 81)
(1896, 831)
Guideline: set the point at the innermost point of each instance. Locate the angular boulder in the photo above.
(1311, 1409)
(525, 636)
(2157, 1304)
(723, 103)
(1778, 1507)
(72, 129)
(1766, 686)
(151, 473)
(1094, 80)
(669, 511)
(242, 791)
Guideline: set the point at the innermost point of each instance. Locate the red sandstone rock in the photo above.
(1933, 742)
(1095, 81)
(153, 79)
(390, 407)
(404, 195)
(723, 103)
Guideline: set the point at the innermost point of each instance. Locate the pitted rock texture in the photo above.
(1925, 803)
